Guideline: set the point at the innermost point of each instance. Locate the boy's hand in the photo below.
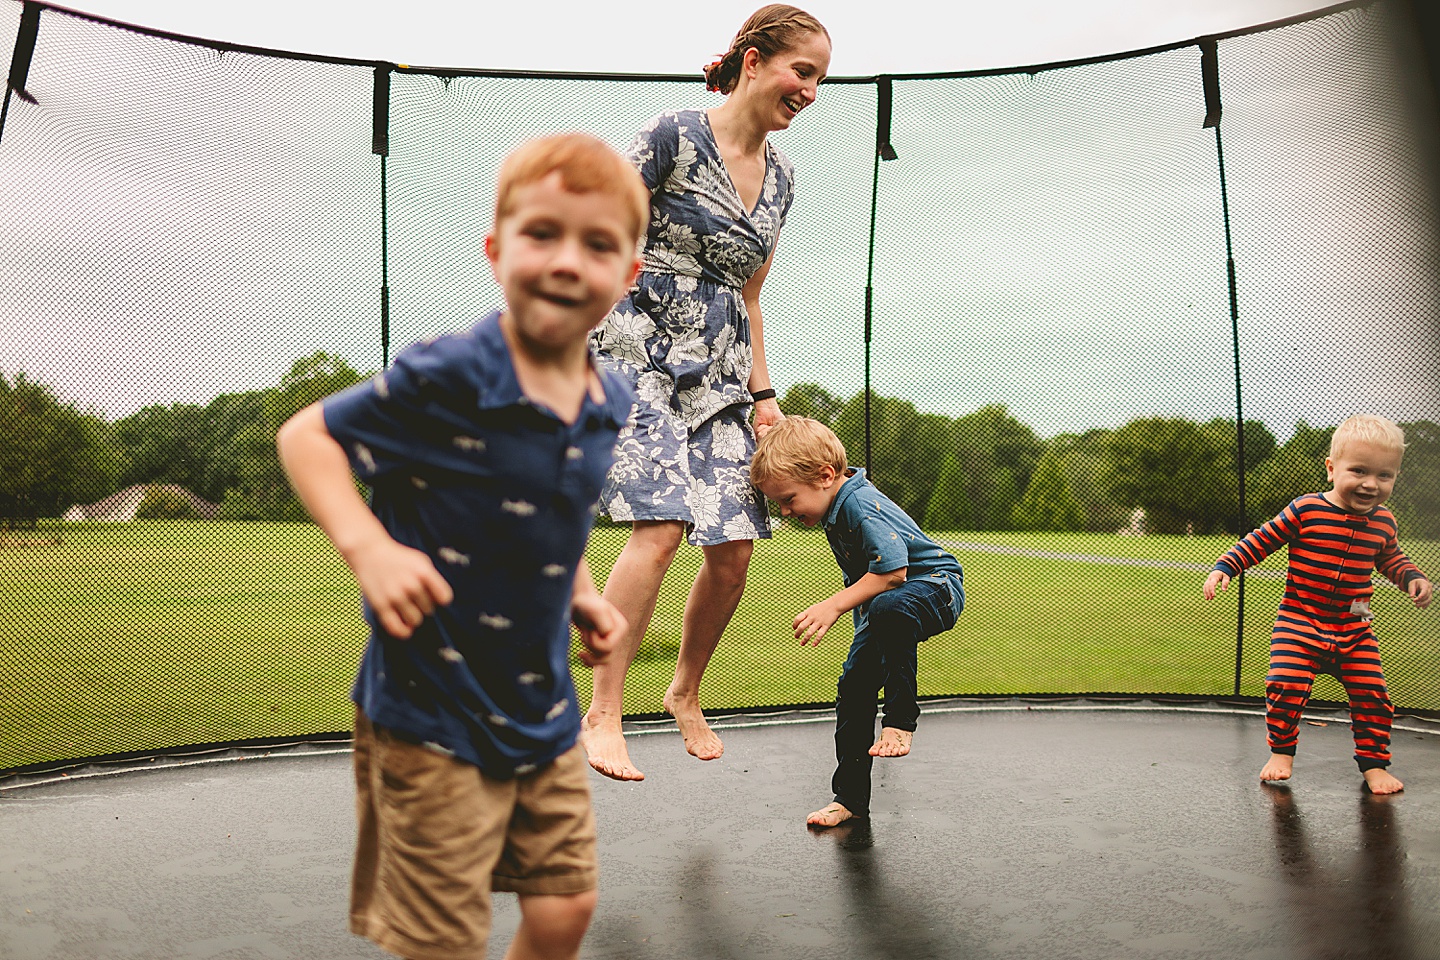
(1420, 592)
(812, 622)
(600, 624)
(401, 584)
(1217, 580)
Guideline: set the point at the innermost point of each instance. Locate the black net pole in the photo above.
(384, 267)
(1210, 77)
(869, 307)
(1239, 412)
(380, 145)
(883, 151)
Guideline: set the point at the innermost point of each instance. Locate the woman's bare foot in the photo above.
(1381, 781)
(1279, 767)
(699, 739)
(893, 742)
(830, 815)
(604, 744)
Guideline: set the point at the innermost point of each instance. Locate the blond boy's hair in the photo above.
(797, 449)
(586, 164)
(1365, 428)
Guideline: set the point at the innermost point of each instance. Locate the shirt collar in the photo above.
(852, 483)
(501, 387)
(495, 369)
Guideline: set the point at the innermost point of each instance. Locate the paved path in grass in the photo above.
(1096, 558)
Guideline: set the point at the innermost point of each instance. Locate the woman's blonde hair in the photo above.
(797, 449)
(770, 30)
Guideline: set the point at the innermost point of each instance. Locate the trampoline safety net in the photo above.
(1091, 323)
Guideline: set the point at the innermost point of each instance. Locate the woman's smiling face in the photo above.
(790, 79)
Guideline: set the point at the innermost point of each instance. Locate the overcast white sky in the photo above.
(643, 36)
(1088, 231)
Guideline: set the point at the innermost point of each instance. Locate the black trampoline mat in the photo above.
(1012, 831)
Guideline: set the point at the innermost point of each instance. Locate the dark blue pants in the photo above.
(887, 634)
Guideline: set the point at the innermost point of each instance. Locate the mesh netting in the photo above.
(199, 240)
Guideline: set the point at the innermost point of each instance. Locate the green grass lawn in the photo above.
(155, 634)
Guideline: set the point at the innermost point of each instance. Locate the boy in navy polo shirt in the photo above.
(902, 587)
(485, 452)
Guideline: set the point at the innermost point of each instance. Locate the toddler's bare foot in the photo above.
(830, 815)
(1279, 767)
(1381, 781)
(699, 739)
(604, 744)
(893, 742)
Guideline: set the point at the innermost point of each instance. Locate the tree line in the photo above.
(55, 455)
(988, 471)
(984, 470)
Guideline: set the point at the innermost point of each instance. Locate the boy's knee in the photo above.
(892, 619)
(555, 924)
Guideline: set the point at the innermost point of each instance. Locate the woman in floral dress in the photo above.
(690, 337)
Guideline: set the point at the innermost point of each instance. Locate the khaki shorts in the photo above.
(436, 836)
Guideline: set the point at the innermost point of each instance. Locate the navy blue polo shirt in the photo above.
(869, 533)
(500, 493)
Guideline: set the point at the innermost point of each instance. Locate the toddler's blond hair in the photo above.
(1366, 428)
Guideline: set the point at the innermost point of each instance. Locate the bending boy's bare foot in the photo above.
(1279, 767)
(1381, 781)
(699, 739)
(605, 748)
(893, 742)
(830, 815)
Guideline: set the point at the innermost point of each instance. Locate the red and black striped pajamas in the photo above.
(1323, 625)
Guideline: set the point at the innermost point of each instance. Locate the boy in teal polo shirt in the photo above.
(902, 587)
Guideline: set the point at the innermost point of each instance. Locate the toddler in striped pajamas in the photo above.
(1336, 539)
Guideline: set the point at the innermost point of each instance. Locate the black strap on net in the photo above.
(25, 39)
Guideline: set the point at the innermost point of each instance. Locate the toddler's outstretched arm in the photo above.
(1218, 580)
(400, 583)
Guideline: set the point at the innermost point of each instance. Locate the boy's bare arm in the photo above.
(814, 621)
(400, 583)
(600, 624)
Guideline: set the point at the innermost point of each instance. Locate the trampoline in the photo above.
(1061, 830)
(206, 216)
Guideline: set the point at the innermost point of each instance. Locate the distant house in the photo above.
(120, 507)
(1136, 526)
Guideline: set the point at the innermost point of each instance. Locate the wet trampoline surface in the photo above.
(1054, 832)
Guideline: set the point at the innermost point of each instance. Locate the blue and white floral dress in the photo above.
(682, 337)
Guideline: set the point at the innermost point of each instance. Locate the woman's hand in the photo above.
(767, 414)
